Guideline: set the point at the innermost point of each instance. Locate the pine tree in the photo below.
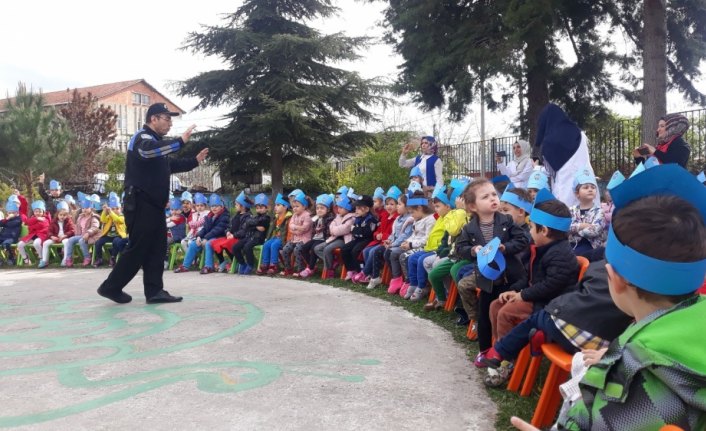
(290, 104)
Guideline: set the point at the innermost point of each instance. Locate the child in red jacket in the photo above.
(60, 228)
(38, 231)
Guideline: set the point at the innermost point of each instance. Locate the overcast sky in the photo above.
(56, 45)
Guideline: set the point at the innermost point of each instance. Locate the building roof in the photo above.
(63, 97)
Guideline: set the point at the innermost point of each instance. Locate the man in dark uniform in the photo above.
(147, 172)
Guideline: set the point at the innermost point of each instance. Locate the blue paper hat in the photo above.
(648, 273)
(325, 200)
(345, 203)
(62, 206)
(352, 195)
(199, 198)
(96, 200)
(440, 194)
(701, 177)
(241, 199)
(301, 198)
(414, 187)
(39, 205)
(416, 172)
(69, 199)
(112, 195)
(640, 168)
(187, 197)
(393, 193)
(343, 190)
(14, 198)
(280, 200)
(86, 203)
(488, 255)
(379, 193)
(174, 204)
(54, 185)
(514, 199)
(544, 218)
(501, 179)
(12, 206)
(651, 162)
(584, 176)
(114, 202)
(458, 185)
(295, 192)
(615, 180)
(262, 200)
(215, 200)
(81, 196)
(538, 180)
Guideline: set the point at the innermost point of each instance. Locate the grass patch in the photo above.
(509, 403)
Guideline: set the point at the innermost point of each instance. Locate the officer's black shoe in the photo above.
(163, 297)
(119, 297)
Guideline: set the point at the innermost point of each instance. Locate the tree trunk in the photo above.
(277, 171)
(654, 64)
(537, 86)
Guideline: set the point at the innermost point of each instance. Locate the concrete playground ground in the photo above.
(241, 352)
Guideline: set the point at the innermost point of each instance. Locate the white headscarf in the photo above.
(524, 158)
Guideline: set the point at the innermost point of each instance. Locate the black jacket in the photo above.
(515, 241)
(553, 269)
(678, 152)
(588, 305)
(364, 227)
(214, 226)
(251, 224)
(237, 225)
(11, 229)
(148, 168)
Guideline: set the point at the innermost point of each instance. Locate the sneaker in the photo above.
(492, 358)
(27, 262)
(247, 269)
(181, 268)
(419, 293)
(241, 268)
(306, 273)
(330, 273)
(207, 270)
(69, 263)
(86, 261)
(408, 292)
(351, 275)
(404, 288)
(272, 270)
(99, 262)
(374, 282)
(395, 285)
(286, 272)
(435, 305)
(223, 266)
(262, 270)
(42, 264)
(63, 264)
(479, 362)
(498, 376)
(364, 279)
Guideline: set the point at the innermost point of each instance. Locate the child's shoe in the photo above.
(69, 263)
(419, 293)
(406, 290)
(491, 358)
(181, 268)
(351, 275)
(207, 270)
(374, 282)
(395, 285)
(26, 261)
(286, 272)
(223, 266)
(97, 263)
(479, 362)
(435, 305)
(63, 263)
(42, 264)
(111, 262)
(272, 270)
(363, 279)
(247, 269)
(262, 270)
(330, 273)
(86, 261)
(498, 376)
(306, 273)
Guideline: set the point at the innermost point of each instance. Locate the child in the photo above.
(86, 232)
(488, 223)
(73, 207)
(196, 220)
(10, 232)
(52, 197)
(517, 203)
(379, 204)
(364, 225)
(187, 202)
(654, 373)
(423, 216)
(587, 220)
(114, 231)
(235, 232)
(176, 227)
(255, 232)
(214, 226)
(607, 204)
(537, 181)
(301, 229)
(278, 236)
(61, 228)
(416, 176)
(320, 232)
(38, 226)
(339, 234)
(372, 254)
(402, 229)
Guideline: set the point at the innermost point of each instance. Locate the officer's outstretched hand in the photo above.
(201, 156)
(187, 134)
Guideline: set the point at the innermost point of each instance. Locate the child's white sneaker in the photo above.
(374, 282)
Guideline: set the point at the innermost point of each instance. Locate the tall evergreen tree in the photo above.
(289, 102)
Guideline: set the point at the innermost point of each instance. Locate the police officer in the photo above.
(147, 171)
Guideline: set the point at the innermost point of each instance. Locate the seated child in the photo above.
(488, 223)
(38, 226)
(320, 232)
(114, 232)
(372, 253)
(587, 230)
(537, 181)
(301, 229)
(278, 236)
(195, 220)
(236, 231)
(60, 228)
(214, 226)
(176, 227)
(10, 233)
(364, 225)
(339, 234)
(86, 232)
(51, 197)
(402, 229)
(255, 232)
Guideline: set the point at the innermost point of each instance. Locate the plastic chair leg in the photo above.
(519, 370)
(451, 297)
(549, 399)
(531, 376)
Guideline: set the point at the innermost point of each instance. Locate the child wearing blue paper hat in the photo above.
(61, 228)
(300, 231)
(656, 367)
(187, 204)
(537, 181)
(517, 203)
(176, 227)
(114, 231)
(401, 230)
(214, 226)
(38, 226)
(52, 196)
(195, 220)
(277, 238)
(10, 226)
(86, 232)
(339, 234)
(364, 226)
(223, 245)
(587, 230)
(256, 228)
(320, 231)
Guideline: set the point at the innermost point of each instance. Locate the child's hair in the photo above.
(469, 193)
(556, 208)
(665, 228)
(523, 194)
(425, 208)
(403, 199)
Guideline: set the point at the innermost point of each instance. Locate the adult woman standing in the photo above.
(519, 169)
(670, 148)
(428, 162)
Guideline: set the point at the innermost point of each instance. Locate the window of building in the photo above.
(140, 99)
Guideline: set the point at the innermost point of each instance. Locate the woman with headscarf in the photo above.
(428, 162)
(670, 148)
(519, 169)
(564, 150)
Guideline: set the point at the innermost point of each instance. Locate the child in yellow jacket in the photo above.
(114, 231)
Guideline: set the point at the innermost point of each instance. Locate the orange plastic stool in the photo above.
(386, 274)
(451, 297)
(550, 399)
(671, 428)
(518, 370)
(432, 295)
(471, 333)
